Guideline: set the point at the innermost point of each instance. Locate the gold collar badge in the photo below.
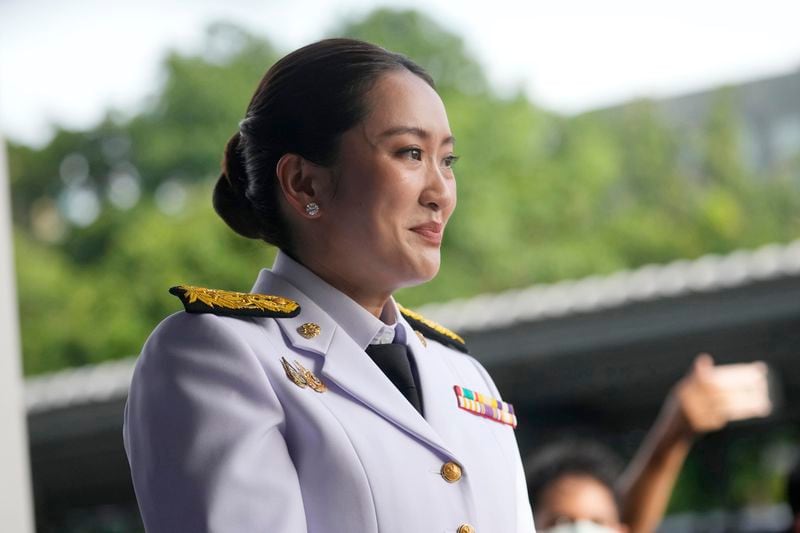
(302, 377)
(432, 330)
(421, 338)
(309, 330)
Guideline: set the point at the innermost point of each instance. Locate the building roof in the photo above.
(540, 302)
(109, 381)
(81, 385)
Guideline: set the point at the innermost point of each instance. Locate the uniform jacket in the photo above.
(220, 439)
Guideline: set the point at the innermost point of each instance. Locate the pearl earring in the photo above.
(312, 209)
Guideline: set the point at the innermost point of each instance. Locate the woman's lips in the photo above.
(430, 231)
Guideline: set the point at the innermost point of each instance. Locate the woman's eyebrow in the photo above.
(419, 132)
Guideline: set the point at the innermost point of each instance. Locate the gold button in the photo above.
(451, 472)
(466, 528)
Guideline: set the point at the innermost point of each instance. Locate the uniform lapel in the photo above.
(347, 365)
(352, 369)
(436, 382)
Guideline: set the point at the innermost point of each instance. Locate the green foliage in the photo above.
(541, 197)
(199, 107)
(76, 311)
(751, 465)
(443, 54)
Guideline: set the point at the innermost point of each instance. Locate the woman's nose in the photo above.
(439, 192)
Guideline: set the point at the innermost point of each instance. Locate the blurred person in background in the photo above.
(316, 403)
(572, 487)
(575, 487)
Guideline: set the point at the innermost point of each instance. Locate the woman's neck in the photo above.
(370, 298)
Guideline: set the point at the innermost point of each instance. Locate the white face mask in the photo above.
(581, 526)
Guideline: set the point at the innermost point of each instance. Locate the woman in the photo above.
(316, 403)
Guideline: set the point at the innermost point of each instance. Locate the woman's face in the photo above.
(393, 188)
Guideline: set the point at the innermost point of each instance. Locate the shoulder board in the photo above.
(432, 330)
(229, 303)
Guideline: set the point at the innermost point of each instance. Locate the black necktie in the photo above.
(394, 361)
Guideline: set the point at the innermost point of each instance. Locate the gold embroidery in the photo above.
(431, 324)
(238, 300)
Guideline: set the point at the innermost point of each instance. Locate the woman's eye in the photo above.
(414, 153)
(450, 160)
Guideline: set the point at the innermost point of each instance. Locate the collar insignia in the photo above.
(421, 338)
(302, 377)
(309, 330)
(316, 384)
(293, 374)
(432, 330)
(230, 303)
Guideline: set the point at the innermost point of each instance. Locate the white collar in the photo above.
(361, 325)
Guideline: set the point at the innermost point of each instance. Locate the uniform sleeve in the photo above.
(523, 504)
(202, 434)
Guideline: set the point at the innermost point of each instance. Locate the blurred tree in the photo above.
(178, 137)
(77, 312)
(443, 54)
(722, 162)
(108, 218)
(199, 107)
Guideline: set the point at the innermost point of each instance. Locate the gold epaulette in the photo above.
(229, 303)
(432, 330)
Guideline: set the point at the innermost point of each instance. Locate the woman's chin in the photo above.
(424, 269)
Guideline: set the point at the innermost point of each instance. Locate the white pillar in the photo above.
(16, 512)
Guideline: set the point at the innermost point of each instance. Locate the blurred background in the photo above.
(629, 195)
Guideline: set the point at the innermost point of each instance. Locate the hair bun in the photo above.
(230, 200)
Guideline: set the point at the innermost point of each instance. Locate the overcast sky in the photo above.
(68, 61)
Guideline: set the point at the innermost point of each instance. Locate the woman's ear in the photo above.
(303, 184)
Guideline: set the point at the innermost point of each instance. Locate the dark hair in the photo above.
(571, 458)
(303, 105)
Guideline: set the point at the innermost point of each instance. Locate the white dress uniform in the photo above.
(222, 437)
